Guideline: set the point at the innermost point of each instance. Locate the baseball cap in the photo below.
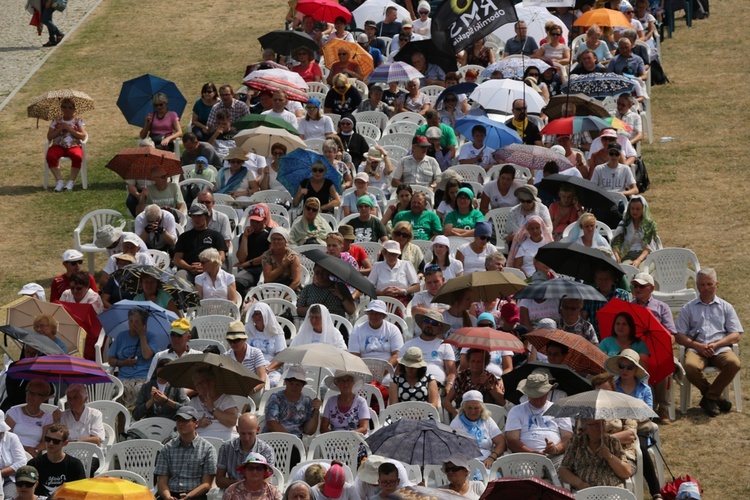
(185, 411)
(644, 279)
(27, 474)
(420, 140)
(131, 238)
(257, 213)
(376, 306)
(180, 326)
(198, 209)
(334, 481)
(433, 133)
(362, 38)
(71, 256)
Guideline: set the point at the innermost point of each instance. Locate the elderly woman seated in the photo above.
(456, 468)
(81, 293)
(46, 324)
(29, 422)
(310, 228)
(333, 294)
(318, 328)
(291, 411)
(474, 418)
(280, 263)
(84, 424)
(214, 282)
(218, 411)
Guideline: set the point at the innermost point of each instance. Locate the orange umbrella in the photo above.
(582, 357)
(21, 313)
(358, 55)
(603, 17)
(103, 488)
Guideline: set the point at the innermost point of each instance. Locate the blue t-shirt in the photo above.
(125, 346)
(609, 347)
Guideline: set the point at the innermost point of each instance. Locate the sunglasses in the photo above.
(311, 209)
(24, 484)
(423, 12)
(525, 201)
(555, 34)
(75, 262)
(175, 335)
(614, 153)
(255, 468)
(234, 341)
(520, 109)
(159, 105)
(399, 234)
(68, 107)
(484, 238)
(485, 325)
(54, 441)
(626, 367)
(453, 468)
(363, 206)
(431, 322)
(319, 170)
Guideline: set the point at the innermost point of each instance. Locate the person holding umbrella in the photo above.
(66, 135)
(153, 292)
(474, 378)
(216, 414)
(131, 355)
(307, 68)
(162, 126)
(623, 337)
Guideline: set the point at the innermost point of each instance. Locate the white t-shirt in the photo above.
(528, 250)
(490, 430)
(28, 429)
(371, 343)
(469, 151)
(168, 354)
(475, 261)
(498, 200)
(402, 275)
(285, 115)
(424, 299)
(435, 353)
(422, 28)
(315, 129)
(216, 428)
(141, 258)
(613, 179)
(216, 290)
(550, 308)
(534, 426)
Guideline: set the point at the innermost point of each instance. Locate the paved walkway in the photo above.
(20, 46)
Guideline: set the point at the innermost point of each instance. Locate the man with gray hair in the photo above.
(84, 424)
(708, 327)
(626, 113)
(626, 61)
(157, 228)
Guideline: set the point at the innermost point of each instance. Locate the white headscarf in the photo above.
(330, 335)
(272, 327)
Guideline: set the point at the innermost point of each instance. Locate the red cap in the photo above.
(509, 313)
(420, 140)
(257, 213)
(335, 479)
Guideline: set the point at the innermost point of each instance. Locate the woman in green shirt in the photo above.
(461, 221)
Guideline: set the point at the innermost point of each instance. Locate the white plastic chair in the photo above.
(223, 199)
(137, 455)
(498, 217)
(400, 140)
(408, 116)
(125, 474)
(601, 228)
(338, 445)
(368, 130)
(360, 86)
(523, 173)
(283, 444)
(161, 259)
(201, 344)
(86, 452)
(212, 327)
(577, 41)
(108, 391)
(671, 269)
(230, 212)
(415, 410)
(331, 220)
(396, 153)
(84, 164)
(377, 118)
(392, 305)
(472, 173)
(372, 248)
(111, 411)
(218, 307)
(202, 184)
(272, 196)
(339, 321)
(242, 402)
(97, 218)
(499, 414)
(318, 87)
(463, 69)
(523, 465)
(402, 127)
(156, 428)
(516, 272)
(273, 291)
(686, 388)
(189, 169)
(604, 492)
(109, 436)
(378, 368)
(432, 91)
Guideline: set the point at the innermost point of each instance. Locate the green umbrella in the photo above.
(252, 121)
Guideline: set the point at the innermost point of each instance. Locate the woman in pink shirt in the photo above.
(162, 126)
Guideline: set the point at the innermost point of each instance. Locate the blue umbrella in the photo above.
(599, 85)
(498, 134)
(135, 98)
(115, 320)
(461, 88)
(295, 167)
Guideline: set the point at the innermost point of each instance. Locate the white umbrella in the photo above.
(259, 140)
(601, 405)
(279, 74)
(498, 95)
(535, 18)
(374, 10)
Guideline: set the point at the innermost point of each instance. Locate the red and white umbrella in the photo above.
(293, 92)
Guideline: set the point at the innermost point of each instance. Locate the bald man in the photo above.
(233, 453)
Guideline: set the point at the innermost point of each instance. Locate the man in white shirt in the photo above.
(476, 153)
(179, 336)
(613, 175)
(84, 424)
(440, 357)
(279, 108)
(376, 338)
(418, 168)
(527, 430)
(422, 301)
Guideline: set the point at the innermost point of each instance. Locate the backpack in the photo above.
(641, 175)
(658, 77)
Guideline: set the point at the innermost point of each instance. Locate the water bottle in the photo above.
(666, 139)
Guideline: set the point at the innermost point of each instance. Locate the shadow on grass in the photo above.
(25, 190)
(20, 190)
(19, 49)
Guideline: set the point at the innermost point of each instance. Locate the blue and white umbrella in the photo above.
(514, 67)
(296, 167)
(115, 320)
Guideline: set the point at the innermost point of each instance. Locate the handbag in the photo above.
(59, 5)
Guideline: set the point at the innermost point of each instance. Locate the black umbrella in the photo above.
(567, 380)
(183, 292)
(32, 339)
(284, 41)
(421, 442)
(560, 288)
(576, 260)
(461, 88)
(589, 194)
(231, 377)
(585, 106)
(342, 270)
(433, 55)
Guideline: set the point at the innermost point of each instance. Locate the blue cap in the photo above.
(201, 159)
(314, 101)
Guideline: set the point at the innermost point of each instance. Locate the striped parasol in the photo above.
(137, 163)
(47, 106)
(278, 74)
(269, 84)
(61, 367)
(394, 72)
(582, 357)
(487, 339)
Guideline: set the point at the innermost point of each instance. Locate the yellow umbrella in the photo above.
(358, 55)
(21, 313)
(103, 488)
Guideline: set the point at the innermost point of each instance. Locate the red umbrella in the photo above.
(137, 163)
(530, 487)
(582, 357)
(324, 10)
(648, 329)
(488, 339)
(292, 91)
(86, 317)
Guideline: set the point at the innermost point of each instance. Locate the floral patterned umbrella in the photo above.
(599, 85)
(47, 106)
(514, 67)
(531, 157)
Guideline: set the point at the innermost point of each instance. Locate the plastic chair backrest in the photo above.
(111, 411)
(604, 493)
(368, 130)
(372, 248)
(218, 307)
(201, 344)
(401, 140)
(212, 326)
(272, 196)
(343, 446)
(85, 452)
(156, 428)
(377, 118)
(402, 127)
(108, 391)
(408, 116)
(137, 455)
(273, 291)
(523, 465)
(283, 444)
(318, 87)
(339, 321)
(125, 474)
(672, 268)
(473, 173)
(161, 259)
(416, 410)
(378, 367)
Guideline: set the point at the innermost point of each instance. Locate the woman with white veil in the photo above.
(265, 333)
(585, 233)
(318, 328)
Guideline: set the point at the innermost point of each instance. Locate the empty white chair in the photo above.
(283, 444)
(473, 173)
(400, 140)
(108, 391)
(272, 196)
(368, 130)
(340, 322)
(218, 307)
(415, 410)
(212, 326)
(524, 465)
(377, 118)
(161, 259)
(408, 116)
(318, 87)
(111, 411)
(402, 127)
(86, 452)
(396, 153)
(360, 86)
(97, 218)
(156, 428)
(671, 269)
(273, 291)
(202, 344)
(137, 455)
(379, 368)
(231, 213)
(604, 492)
(338, 445)
(372, 248)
